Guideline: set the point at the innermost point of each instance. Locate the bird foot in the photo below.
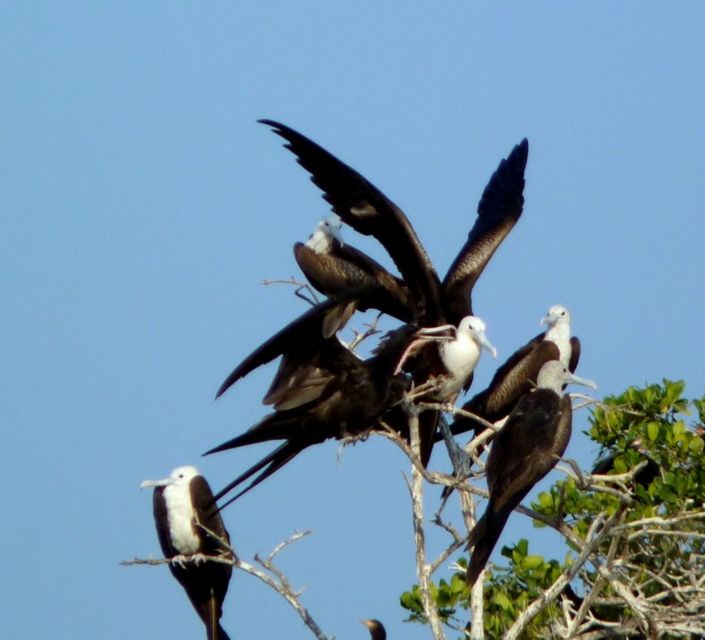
(199, 558)
(180, 560)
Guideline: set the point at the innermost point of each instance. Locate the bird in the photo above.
(519, 373)
(527, 447)
(333, 267)
(459, 353)
(367, 210)
(184, 508)
(340, 396)
(376, 629)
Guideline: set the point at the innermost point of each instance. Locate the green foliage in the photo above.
(650, 429)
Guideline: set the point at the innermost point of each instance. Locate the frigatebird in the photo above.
(189, 524)
(376, 629)
(339, 396)
(367, 210)
(520, 372)
(527, 447)
(334, 267)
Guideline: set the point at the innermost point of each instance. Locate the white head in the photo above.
(179, 477)
(475, 328)
(554, 374)
(327, 230)
(557, 314)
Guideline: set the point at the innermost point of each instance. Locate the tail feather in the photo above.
(275, 426)
(273, 461)
(211, 618)
(483, 539)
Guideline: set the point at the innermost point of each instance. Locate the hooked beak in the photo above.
(156, 483)
(571, 378)
(548, 320)
(486, 343)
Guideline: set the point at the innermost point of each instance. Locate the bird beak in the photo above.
(571, 378)
(548, 320)
(156, 483)
(486, 343)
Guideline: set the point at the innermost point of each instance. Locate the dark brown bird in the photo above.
(529, 445)
(181, 502)
(337, 396)
(334, 267)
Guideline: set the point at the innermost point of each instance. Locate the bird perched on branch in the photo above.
(190, 530)
(335, 394)
(527, 447)
(334, 267)
(519, 373)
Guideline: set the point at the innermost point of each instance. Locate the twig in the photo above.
(279, 582)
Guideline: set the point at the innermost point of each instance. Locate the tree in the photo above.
(634, 531)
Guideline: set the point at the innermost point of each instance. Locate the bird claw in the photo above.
(198, 558)
(179, 561)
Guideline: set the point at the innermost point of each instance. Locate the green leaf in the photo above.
(652, 430)
(532, 562)
(502, 601)
(696, 445)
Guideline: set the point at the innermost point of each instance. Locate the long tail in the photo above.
(483, 539)
(213, 628)
(271, 463)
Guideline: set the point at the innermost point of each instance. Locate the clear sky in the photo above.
(142, 206)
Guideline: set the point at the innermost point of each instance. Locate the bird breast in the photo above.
(180, 516)
(560, 335)
(459, 357)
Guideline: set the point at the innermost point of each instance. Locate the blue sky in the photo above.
(142, 206)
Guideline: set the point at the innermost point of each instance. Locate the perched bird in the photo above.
(334, 267)
(376, 629)
(183, 509)
(340, 395)
(459, 353)
(519, 373)
(529, 445)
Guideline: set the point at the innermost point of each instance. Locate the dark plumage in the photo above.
(376, 629)
(341, 395)
(499, 209)
(529, 445)
(520, 372)
(333, 267)
(180, 502)
(367, 210)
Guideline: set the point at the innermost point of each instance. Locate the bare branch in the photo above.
(277, 581)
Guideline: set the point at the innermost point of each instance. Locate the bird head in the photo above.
(179, 476)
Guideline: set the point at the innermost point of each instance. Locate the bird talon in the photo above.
(179, 561)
